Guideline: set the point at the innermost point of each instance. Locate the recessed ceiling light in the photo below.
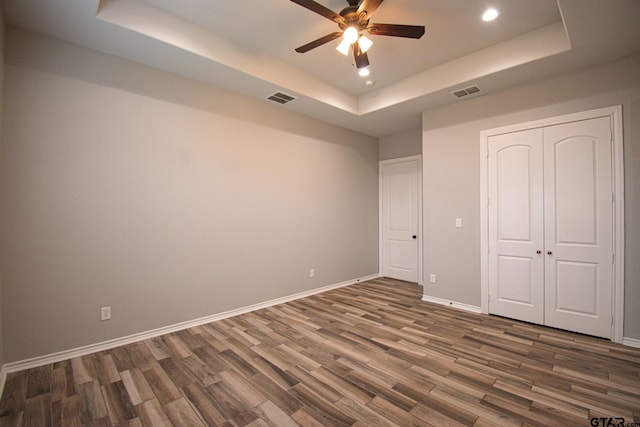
(369, 82)
(363, 72)
(490, 14)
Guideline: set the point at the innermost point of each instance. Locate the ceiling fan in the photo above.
(352, 20)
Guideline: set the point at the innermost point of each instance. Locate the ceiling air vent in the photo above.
(466, 92)
(281, 98)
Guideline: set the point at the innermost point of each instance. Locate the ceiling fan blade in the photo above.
(320, 10)
(322, 40)
(409, 31)
(362, 60)
(368, 6)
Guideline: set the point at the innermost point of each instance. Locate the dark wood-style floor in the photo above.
(368, 354)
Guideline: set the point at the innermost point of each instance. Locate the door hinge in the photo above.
(613, 258)
(612, 320)
(613, 197)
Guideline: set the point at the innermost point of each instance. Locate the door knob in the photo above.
(549, 253)
(414, 237)
(538, 252)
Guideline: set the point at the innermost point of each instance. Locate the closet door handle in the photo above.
(549, 253)
(538, 252)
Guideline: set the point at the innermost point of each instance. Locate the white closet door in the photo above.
(579, 226)
(516, 282)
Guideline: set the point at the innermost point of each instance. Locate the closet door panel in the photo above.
(578, 226)
(515, 231)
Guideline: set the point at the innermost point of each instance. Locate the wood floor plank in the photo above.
(199, 370)
(163, 388)
(122, 358)
(117, 401)
(317, 386)
(92, 406)
(182, 414)
(151, 413)
(473, 405)
(71, 411)
(177, 346)
(141, 356)
(158, 348)
(241, 388)
(364, 415)
(137, 386)
(284, 400)
(366, 382)
(39, 381)
(38, 410)
(230, 407)
(342, 385)
(305, 417)
(241, 365)
(14, 395)
(324, 410)
(275, 374)
(60, 387)
(433, 409)
(368, 354)
(83, 369)
(200, 399)
(178, 374)
(275, 416)
(106, 369)
(400, 416)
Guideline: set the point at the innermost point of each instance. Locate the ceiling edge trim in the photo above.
(535, 45)
(147, 20)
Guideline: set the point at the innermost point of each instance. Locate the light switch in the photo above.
(458, 222)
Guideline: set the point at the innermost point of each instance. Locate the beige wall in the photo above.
(163, 198)
(451, 158)
(404, 144)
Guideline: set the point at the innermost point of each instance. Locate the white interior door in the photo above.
(399, 255)
(516, 263)
(579, 226)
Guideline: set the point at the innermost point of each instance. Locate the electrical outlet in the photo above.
(432, 278)
(105, 313)
(458, 222)
(312, 272)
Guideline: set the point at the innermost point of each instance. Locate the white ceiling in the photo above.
(247, 46)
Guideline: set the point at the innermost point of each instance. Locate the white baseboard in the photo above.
(459, 305)
(117, 342)
(631, 342)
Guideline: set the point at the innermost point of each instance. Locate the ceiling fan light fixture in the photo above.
(351, 35)
(364, 43)
(352, 20)
(363, 72)
(343, 47)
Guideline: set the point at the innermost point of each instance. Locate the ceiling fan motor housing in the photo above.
(352, 19)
